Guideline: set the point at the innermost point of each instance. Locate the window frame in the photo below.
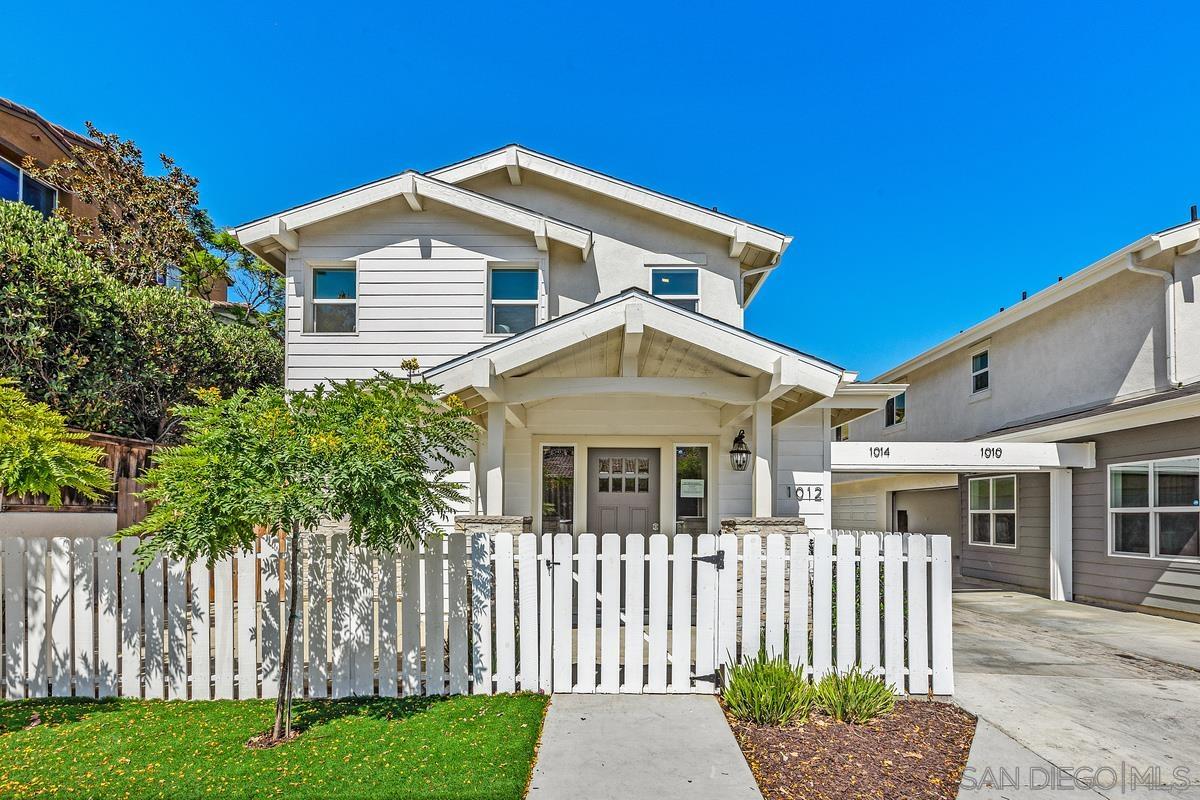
(21, 176)
(844, 436)
(992, 511)
(889, 412)
(538, 302)
(670, 298)
(1152, 510)
(313, 301)
(980, 349)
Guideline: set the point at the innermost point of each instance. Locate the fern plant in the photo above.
(768, 691)
(39, 455)
(854, 696)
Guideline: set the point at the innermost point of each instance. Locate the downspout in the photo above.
(1168, 279)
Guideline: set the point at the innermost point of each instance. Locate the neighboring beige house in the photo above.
(595, 328)
(1109, 355)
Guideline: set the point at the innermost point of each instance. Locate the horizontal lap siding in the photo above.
(800, 457)
(1170, 585)
(422, 287)
(1027, 566)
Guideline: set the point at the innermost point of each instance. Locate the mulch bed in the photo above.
(916, 752)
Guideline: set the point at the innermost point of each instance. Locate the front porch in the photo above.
(621, 417)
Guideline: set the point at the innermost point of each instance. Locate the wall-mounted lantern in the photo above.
(739, 456)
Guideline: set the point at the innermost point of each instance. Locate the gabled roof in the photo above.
(268, 236)
(754, 245)
(762, 355)
(1150, 249)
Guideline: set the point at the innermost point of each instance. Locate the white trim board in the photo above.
(960, 456)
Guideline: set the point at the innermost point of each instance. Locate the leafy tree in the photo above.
(149, 228)
(39, 455)
(143, 223)
(108, 356)
(376, 453)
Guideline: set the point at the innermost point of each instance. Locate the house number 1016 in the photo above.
(991, 452)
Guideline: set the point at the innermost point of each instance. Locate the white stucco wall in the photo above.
(1105, 343)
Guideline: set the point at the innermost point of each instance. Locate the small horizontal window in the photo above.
(679, 287)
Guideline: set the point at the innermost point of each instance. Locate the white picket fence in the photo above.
(476, 613)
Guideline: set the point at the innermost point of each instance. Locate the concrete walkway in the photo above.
(1065, 689)
(629, 747)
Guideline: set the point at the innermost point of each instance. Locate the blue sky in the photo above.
(931, 162)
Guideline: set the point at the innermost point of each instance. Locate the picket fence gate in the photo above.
(476, 613)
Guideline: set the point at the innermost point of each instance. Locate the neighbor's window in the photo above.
(679, 287)
(335, 303)
(19, 186)
(980, 374)
(893, 412)
(842, 433)
(1154, 508)
(558, 489)
(691, 489)
(514, 300)
(993, 507)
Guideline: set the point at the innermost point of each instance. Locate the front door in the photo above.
(623, 487)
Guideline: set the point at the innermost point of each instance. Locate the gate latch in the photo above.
(717, 558)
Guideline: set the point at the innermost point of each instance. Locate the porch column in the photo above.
(493, 462)
(763, 488)
(1060, 534)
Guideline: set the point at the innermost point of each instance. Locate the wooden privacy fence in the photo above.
(478, 613)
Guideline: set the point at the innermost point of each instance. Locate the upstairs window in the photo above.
(335, 300)
(980, 374)
(19, 186)
(513, 300)
(1154, 508)
(893, 412)
(679, 287)
(842, 433)
(993, 507)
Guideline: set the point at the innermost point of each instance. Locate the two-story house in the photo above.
(594, 328)
(24, 133)
(1109, 355)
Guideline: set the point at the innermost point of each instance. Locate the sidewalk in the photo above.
(618, 747)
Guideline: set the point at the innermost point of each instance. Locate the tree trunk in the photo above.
(283, 703)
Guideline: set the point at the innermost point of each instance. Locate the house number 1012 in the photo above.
(808, 492)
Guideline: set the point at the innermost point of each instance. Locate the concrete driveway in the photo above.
(1101, 702)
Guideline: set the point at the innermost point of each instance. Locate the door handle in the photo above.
(654, 526)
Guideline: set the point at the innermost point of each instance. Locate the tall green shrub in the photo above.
(108, 356)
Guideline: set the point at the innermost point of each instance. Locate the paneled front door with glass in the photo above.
(623, 490)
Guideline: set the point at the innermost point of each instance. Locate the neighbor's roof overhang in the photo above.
(1157, 249)
(271, 238)
(766, 371)
(757, 248)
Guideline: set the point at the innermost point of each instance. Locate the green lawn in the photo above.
(459, 747)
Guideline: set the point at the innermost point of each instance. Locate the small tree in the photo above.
(39, 455)
(377, 453)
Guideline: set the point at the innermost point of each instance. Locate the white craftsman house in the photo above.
(594, 327)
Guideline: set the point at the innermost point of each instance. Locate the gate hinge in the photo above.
(717, 558)
(711, 677)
